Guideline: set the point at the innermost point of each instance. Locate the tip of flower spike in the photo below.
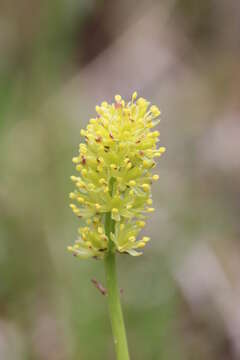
(134, 96)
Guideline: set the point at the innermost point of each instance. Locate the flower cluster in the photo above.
(114, 165)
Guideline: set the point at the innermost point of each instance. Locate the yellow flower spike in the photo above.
(113, 190)
(114, 163)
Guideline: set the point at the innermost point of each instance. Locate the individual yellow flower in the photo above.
(115, 178)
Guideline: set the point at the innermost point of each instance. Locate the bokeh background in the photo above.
(58, 59)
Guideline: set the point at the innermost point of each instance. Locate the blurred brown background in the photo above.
(57, 60)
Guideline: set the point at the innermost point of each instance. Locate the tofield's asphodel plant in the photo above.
(112, 192)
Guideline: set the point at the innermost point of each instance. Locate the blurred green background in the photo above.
(58, 59)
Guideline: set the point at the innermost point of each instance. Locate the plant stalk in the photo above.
(114, 304)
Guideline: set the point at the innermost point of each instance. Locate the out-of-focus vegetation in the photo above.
(58, 59)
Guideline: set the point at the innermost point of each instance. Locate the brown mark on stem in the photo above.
(99, 286)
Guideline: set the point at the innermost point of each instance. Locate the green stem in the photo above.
(114, 304)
